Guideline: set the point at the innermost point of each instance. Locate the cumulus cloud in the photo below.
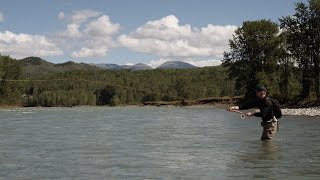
(91, 34)
(22, 45)
(76, 19)
(71, 32)
(87, 52)
(167, 38)
(1, 17)
(82, 16)
(101, 27)
(88, 34)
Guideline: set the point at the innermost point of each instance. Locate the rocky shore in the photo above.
(312, 111)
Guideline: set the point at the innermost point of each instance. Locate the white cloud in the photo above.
(166, 38)
(101, 27)
(87, 52)
(1, 17)
(82, 16)
(166, 28)
(88, 34)
(22, 45)
(71, 32)
(203, 63)
(164, 48)
(61, 15)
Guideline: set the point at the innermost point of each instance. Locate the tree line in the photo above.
(93, 86)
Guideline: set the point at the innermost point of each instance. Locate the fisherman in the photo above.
(265, 105)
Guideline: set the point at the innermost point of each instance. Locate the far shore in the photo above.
(305, 111)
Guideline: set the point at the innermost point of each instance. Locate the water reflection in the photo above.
(270, 150)
(260, 160)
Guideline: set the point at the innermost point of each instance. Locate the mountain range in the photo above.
(141, 66)
(136, 67)
(36, 62)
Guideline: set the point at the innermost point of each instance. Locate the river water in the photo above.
(153, 143)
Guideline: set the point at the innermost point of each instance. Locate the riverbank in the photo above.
(296, 109)
(312, 111)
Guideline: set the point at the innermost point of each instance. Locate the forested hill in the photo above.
(37, 67)
(71, 84)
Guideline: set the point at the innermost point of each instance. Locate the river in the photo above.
(153, 143)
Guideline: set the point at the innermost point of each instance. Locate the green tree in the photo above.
(105, 95)
(314, 40)
(252, 57)
(297, 32)
(10, 91)
(115, 101)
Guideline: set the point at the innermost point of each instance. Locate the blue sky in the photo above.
(128, 31)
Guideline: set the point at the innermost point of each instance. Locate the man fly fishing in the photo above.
(269, 112)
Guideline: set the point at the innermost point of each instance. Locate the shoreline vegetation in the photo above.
(34, 83)
(294, 109)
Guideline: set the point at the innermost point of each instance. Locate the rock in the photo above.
(315, 111)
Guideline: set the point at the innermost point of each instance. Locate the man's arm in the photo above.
(252, 103)
(256, 113)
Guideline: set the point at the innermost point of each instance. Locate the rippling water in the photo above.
(152, 143)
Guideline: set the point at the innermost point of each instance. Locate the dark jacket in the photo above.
(265, 106)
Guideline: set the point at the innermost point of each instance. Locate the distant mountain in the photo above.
(70, 66)
(137, 67)
(34, 61)
(176, 65)
(109, 66)
(35, 66)
(141, 66)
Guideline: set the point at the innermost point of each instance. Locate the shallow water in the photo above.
(152, 143)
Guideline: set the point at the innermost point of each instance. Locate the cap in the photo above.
(261, 88)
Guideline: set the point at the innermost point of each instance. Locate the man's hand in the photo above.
(249, 114)
(233, 108)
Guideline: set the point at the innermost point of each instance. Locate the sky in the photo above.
(129, 31)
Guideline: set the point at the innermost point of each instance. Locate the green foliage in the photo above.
(114, 100)
(105, 95)
(302, 32)
(253, 56)
(10, 92)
